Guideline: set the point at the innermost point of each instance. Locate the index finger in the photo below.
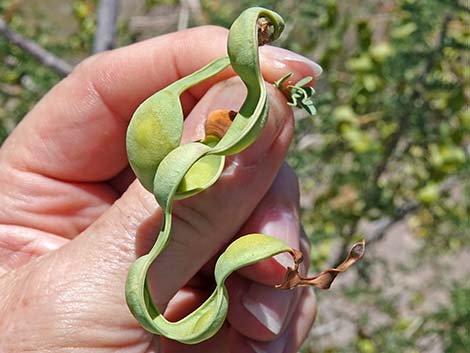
(77, 131)
(277, 215)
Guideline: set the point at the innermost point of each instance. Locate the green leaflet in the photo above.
(174, 171)
(298, 95)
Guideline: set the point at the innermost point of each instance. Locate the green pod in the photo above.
(244, 58)
(156, 126)
(172, 171)
(205, 321)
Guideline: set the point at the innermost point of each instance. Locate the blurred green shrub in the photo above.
(23, 81)
(391, 137)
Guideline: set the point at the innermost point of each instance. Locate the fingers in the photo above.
(291, 339)
(276, 215)
(77, 132)
(257, 310)
(86, 285)
(84, 279)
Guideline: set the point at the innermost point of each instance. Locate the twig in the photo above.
(183, 18)
(399, 216)
(195, 9)
(45, 57)
(106, 25)
(378, 234)
(326, 329)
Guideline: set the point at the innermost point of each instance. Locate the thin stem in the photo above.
(45, 57)
(106, 19)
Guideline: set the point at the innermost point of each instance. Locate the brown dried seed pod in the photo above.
(323, 280)
(218, 122)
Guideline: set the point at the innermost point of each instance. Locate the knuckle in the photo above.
(90, 64)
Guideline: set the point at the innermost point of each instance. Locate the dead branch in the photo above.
(45, 57)
(188, 8)
(183, 18)
(106, 19)
(326, 329)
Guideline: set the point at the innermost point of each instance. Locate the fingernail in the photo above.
(280, 56)
(276, 346)
(285, 226)
(268, 305)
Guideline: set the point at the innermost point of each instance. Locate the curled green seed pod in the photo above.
(174, 171)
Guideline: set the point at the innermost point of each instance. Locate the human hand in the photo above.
(73, 220)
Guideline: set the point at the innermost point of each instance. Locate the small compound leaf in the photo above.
(298, 95)
(304, 81)
(278, 84)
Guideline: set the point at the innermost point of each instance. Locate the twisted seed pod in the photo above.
(174, 171)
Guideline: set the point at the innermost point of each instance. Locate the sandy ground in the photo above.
(414, 288)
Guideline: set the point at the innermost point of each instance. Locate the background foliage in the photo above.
(386, 157)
